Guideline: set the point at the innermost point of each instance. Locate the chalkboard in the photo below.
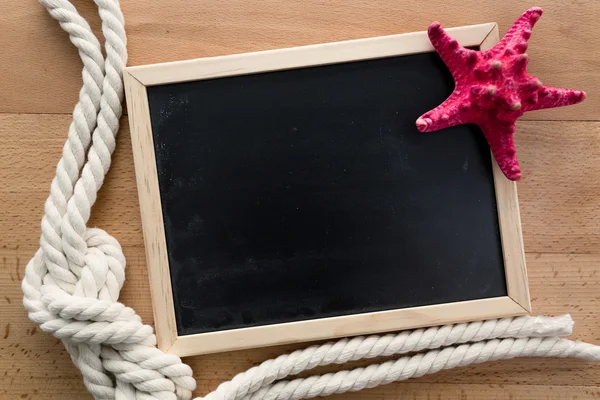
(308, 194)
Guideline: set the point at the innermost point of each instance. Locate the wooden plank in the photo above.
(43, 74)
(511, 234)
(302, 56)
(31, 148)
(560, 283)
(33, 364)
(573, 290)
(445, 391)
(557, 195)
(559, 208)
(347, 325)
(151, 212)
(509, 218)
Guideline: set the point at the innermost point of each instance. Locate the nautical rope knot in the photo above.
(71, 285)
(107, 341)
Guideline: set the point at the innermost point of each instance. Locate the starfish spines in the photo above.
(471, 57)
(493, 89)
(520, 31)
(530, 85)
(443, 116)
(500, 139)
(450, 51)
(521, 48)
(551, 97)
(520, 63)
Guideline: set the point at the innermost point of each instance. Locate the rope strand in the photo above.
(359, 348)
(424, 363)
(72, 284)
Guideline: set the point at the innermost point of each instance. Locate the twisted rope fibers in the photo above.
(72, 284)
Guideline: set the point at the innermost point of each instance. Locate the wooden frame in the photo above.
(138, 78)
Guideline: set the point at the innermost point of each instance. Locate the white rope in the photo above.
(424, 363)
(258, 378)
(71, 285)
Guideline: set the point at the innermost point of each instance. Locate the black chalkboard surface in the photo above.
(309, 193)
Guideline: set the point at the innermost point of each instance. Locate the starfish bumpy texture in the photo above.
(493, 89)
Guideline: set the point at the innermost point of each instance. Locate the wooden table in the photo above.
(40, 76)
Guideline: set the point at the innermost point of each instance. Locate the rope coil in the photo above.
(72, 284)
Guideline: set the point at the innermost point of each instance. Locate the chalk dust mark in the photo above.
(6, 331)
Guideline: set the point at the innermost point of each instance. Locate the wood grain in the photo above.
(558, 194)
(151, 212)
(31, 147)
(137, 78)
(560, 283)
(509, 218)
(560, 211)
(346, 325)
(558, 200)
(304, 56)
(443, 391)
(566, 34)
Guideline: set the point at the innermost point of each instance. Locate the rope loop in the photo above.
(71, 285)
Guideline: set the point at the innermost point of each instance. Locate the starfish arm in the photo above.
(500, 139)
(450, 51)
(550, 97)
(443, 116)
(517, 36)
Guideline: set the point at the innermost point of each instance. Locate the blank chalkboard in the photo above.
(308, 194)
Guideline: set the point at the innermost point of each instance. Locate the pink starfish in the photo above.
(493, 89)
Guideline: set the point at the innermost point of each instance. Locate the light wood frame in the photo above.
(137, 78)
